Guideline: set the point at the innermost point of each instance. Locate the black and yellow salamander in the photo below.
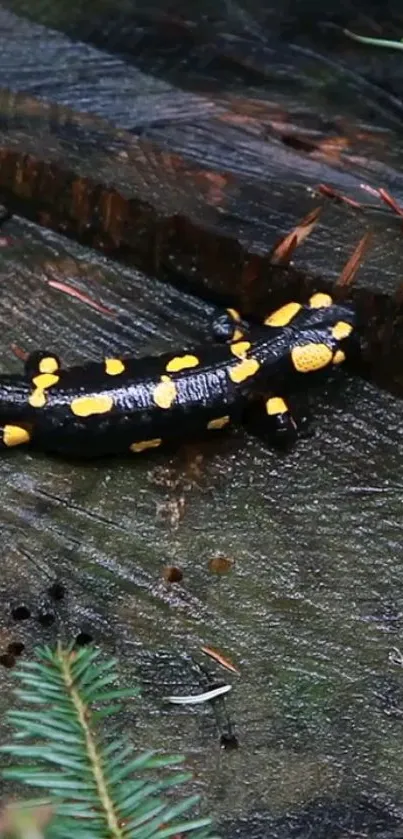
(132, 405)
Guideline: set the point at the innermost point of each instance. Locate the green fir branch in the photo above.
(96, 789)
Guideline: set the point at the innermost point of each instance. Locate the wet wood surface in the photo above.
(203, 201)
(290, 566)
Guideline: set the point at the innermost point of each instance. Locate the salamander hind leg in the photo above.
(272, 420)
(42, 361)
(14, 435)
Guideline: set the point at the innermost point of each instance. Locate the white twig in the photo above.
(199, 697)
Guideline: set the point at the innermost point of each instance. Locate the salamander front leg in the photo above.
(282, 428)
(42, 361)
(14, 435)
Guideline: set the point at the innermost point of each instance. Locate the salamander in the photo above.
(130, 405)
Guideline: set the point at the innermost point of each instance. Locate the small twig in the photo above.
(374, 42)
(198, 698)
(224, 724)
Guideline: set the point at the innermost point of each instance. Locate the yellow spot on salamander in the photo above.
(164, 393)
(181, 362)
(37, 398)
(85, 406)
(339, 357)
(342, 330)
(220, 422)
(114, 366)
(248, 367)
(240, 348)
(49, 364)
(234, 314)
(238, 334)
(283, 316)
(14, 435)
(145, 444)
(45, 380)
(311, 357)
(320, 300)
(275, 405)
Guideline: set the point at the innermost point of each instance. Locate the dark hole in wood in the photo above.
(15, 647)
(172, 574)
(46, 618)
(7, 660)
(57, 591)
(220, 564)
(299, 143)
(82, 639)
(20, 613)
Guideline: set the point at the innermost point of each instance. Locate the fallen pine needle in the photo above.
(79, 295)
(19, 352)
(284, 249)
(390, 201)
(324, 189)
(351, 267)
(217, 656)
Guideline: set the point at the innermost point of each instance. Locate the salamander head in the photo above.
(324, 338)
(322, 310)
(329, 324)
